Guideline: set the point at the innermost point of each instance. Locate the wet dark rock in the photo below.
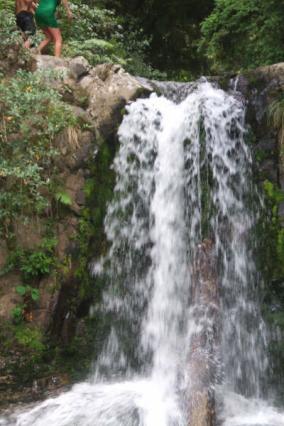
(281, 212)
(80, 198)
(268, 170)
(40, 389)
(260, 87)
(83, 156)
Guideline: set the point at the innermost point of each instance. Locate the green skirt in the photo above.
(45, 14)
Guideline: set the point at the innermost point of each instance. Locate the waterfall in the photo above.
(183, 177)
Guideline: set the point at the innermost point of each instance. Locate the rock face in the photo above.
(260, 87)
(97, 97)
(103, 92)
(107, 86)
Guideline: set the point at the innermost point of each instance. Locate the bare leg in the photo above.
(27, 43)
(46, 41)
(26, 40)
(57, 38)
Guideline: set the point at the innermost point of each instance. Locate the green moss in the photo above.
(30, 338)
(91, 239)
(76, 357)
(271, 263)
(23, 348)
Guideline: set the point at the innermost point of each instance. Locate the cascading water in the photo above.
(183, 177)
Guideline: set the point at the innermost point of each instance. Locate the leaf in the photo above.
(35, 294)
(17, 313)
(21, 290)
(63, 198)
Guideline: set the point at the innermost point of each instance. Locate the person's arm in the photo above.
(31, 5)
(67, 8)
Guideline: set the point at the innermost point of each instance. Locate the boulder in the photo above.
(51, 63)
(79, 67)
(110, 88)
(107, 86)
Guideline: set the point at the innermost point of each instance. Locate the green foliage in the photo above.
(76, 357)
(172, 31)
(32, 264)
(63, 198)
(8, 34)
(91, 238)
(101, 36)
(91, 22)
(30, 338)
(136, 38)
(24, 290)
(179, 42)
(29, 295)
(274, 194)
(7, 5)
(31, 115)
(12, 53)
(242, 34)
(275, 240)
(272, 265)
(35, 264)
(18, 313)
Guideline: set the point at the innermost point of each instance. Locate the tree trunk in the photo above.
(204, 343)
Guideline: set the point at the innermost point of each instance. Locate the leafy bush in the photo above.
(31, 115)
(96, 33)
(12, 53)
(63, 198)
(7, 5)
(36, 264)
(31, 338)
(30, 296)
(275, 242)
(27, 290)
(243, 34)
(18, 313)
(23, 310)
(101, 36)
(32, 264)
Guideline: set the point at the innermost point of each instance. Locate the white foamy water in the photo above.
(239, 411)
(183, 176)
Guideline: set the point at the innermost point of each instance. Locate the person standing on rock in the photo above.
(25, 10)
(46, 20)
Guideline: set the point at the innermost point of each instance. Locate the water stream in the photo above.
(183, 177)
